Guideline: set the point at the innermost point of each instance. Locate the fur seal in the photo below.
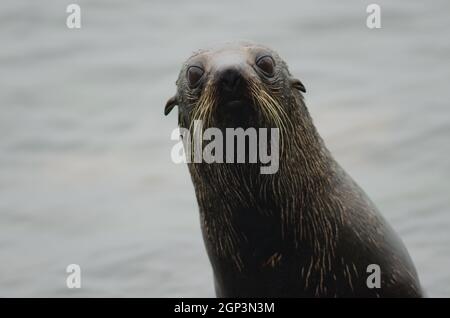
(306, 231)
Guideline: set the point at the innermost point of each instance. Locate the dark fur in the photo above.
(306, 231)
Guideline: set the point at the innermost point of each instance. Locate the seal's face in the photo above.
(235, 85)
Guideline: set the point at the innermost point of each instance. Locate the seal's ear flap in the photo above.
(297, 84)
(171, 103)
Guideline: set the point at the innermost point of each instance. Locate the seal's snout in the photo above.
(232, 87)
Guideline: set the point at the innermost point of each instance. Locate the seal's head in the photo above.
(236, 85)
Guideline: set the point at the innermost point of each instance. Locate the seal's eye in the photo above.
(266, 64)
(194, 74)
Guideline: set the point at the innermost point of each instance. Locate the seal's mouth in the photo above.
(238, 112)
(235, 104)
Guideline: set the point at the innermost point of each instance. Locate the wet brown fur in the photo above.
(322, 230)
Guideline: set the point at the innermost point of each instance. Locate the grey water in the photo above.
(85, 169)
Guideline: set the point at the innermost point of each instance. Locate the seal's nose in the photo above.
(231, 81)
(232, 88)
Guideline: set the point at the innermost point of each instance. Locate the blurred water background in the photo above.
(85, 169)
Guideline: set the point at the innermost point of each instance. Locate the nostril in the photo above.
(231, 79)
